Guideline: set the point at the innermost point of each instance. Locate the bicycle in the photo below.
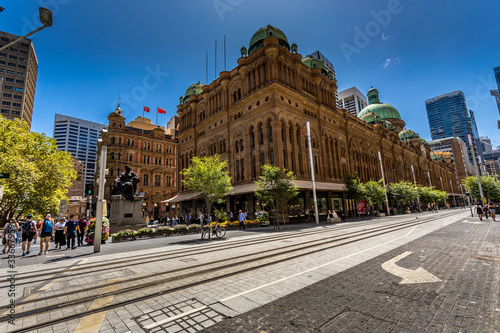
(218, 231)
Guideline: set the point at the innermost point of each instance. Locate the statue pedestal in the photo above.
(126, 214)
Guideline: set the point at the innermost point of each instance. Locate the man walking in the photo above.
(28, 230)
(82, 225)
(71, 227)
(241, 218)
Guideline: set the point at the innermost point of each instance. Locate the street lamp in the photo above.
(416, 188)
(316, 216)
(100, 193)
(383, 181)
(45, 18)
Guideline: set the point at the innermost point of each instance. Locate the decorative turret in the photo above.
(384, 110)
(257, 40)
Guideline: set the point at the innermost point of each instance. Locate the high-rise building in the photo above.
(448, 117)
(485, 144)
(79, 137)
(18, 73)
(76, 190)
(492, 168)
(496, 70)
(496, 92)
(352, 100)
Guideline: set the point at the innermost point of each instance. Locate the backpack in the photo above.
(28, 228)
(47, 226)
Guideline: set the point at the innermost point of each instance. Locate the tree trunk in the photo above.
(209, 211)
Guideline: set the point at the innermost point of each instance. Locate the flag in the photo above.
(160, 110)
(146, 109)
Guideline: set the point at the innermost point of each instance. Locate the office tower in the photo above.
(485, 144)
(79, 137)
(448, 117)
(496, 70)
(18, 73)
(453, 149)
(496, 92)
(352, 100)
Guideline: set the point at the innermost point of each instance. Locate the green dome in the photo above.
(258, 38)
(423, 142)
(194, 89)
(312, 62)
(407, 134)
(371, 118)
(384, 110)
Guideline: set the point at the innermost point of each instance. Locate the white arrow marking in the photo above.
(465, 221)
(419, 275)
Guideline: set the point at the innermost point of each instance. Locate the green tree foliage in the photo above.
(403, 191)
(39, 173)
(209, 176)
(374, 192)
(354, 187)
(441, 196)
(426, 194)
(275, 186)
(490, 185)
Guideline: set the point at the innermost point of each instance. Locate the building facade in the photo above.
(257, 113)
(78, 187)
(149, 152)
(492, 168)
(454, 150)
(352, 100)
(448, 117)
(79, 137)
(18, 74)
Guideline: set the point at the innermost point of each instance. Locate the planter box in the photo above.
(335, 220)
(118, 239)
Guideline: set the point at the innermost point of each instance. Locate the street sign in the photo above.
(4, 175)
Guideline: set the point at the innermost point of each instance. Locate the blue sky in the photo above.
(153, 50)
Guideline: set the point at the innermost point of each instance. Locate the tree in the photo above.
(209, 176)
(39, 173)
(354, 188)
(404, 192)
(426, 194)
(490, 185)
(373, 192)
(275, 187)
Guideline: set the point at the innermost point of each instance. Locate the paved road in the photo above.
(327, 279)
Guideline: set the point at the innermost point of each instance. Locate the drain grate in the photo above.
(408, 292)
(171, 319)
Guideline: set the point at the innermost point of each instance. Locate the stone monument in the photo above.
(126, 207)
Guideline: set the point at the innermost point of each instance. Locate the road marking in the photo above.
(465, 221)
(164, 321)
(93, 322)
(419, 275)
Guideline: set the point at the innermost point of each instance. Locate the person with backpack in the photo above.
(46, 233)
(28, 231)
(9, 234)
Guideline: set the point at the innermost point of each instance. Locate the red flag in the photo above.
(160, 110)
(146, 109)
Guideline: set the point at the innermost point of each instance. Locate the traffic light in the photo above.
(88, 189)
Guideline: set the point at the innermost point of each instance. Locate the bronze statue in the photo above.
(126, 184)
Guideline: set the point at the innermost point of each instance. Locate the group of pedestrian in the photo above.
(486, 210)
(64, 232)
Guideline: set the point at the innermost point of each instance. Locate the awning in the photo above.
(183, 197)
(320, 186)
(242, 189)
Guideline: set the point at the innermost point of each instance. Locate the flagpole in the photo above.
(157, 111)
(142, 119)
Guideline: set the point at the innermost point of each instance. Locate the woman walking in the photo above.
(479, 211)
(9, 234)
(60, 237)
(46, 233)
(492, 211)
(38, 229)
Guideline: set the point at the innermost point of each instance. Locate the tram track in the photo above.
(140, 260)
(284, 254)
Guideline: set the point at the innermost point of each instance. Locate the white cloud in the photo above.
(390, 61)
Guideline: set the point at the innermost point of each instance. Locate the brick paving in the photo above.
(366, 298)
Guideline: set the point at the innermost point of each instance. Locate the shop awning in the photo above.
(183, 197)
(242, 189)
(320, 186)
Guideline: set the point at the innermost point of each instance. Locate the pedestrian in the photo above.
(70, 229)
(231, 216)
(306, 213)
(486, 210)
(341, 214)
(60, 237)
(82, 225)
(9, 235)
(18, 234)
(329, 216)
(28, 230)
(174, 221)
(241, 218)
(46, 233)
(38, 227)
(479, 211)
(492, 211)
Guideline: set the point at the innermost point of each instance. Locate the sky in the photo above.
(150, 51)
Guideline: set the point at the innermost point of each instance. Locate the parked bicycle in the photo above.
(217, 230)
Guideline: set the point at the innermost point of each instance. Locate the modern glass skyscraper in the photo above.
(448, 117)
(497, 76)
(79, 137)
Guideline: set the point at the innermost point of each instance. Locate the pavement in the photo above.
(441, 276)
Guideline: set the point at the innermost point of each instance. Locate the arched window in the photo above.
(128, 142)
(237, 147)
(252, 137)
(224, 145)
(133, 142)
(113, 141)
(239, 94)
(235, 97)
(270, 131)
(149, 146)
(112, 156)
(241, 145)
(290, 133)
(261, 135)
(283, 132)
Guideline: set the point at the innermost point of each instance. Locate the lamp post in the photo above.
(429, 175)
(477, 170)
(415, 182)
(45, 18)
(453, 193)
(316, 217)
(100, 194)
(383, 182)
